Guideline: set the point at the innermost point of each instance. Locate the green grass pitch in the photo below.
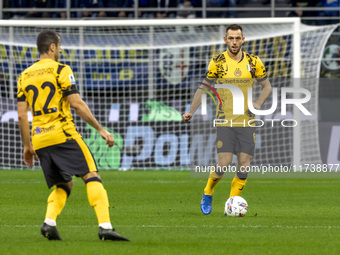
(160, 212)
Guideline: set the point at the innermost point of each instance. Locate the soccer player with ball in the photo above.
(235, 135)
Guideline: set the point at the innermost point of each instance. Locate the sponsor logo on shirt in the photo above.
(38, 130)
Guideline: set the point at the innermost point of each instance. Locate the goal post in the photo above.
(139, 76)
(296, 84)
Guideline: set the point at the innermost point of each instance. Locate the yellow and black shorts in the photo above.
(235, 140)
(62, 161)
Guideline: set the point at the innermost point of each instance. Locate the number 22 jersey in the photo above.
(45, 86)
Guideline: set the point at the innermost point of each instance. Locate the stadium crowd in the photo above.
(185, 9)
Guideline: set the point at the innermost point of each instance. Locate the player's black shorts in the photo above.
(61, 161)
(235, 140)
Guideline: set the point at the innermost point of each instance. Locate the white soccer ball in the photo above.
(235, 207)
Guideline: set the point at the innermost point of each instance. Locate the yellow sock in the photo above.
(56, 202)
(209, 188)
(237, 186)
(98, 200)
(214, 178)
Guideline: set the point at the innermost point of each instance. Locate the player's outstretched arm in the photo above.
(266, 91)
(85, 113)
(196, 102)
(29, 153)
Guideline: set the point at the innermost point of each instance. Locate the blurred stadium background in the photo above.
(138, 81)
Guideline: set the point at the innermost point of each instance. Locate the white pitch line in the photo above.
(186, 226)
(172, 182)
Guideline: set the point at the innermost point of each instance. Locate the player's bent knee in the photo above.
(243, 166)
(224, 164)
(89, 176)
(224, 159)
(244, 160)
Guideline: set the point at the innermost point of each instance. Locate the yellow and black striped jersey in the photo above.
(242, 74)
(45, 86)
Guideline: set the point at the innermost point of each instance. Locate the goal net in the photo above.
(139, 77)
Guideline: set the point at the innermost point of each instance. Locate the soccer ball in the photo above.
(235, 207)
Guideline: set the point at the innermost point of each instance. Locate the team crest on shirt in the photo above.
(237, 72)
(72, 80)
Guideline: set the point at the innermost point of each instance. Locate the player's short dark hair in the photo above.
(45, 39)
(234, 27)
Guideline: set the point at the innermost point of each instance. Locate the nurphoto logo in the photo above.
(238, 103)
